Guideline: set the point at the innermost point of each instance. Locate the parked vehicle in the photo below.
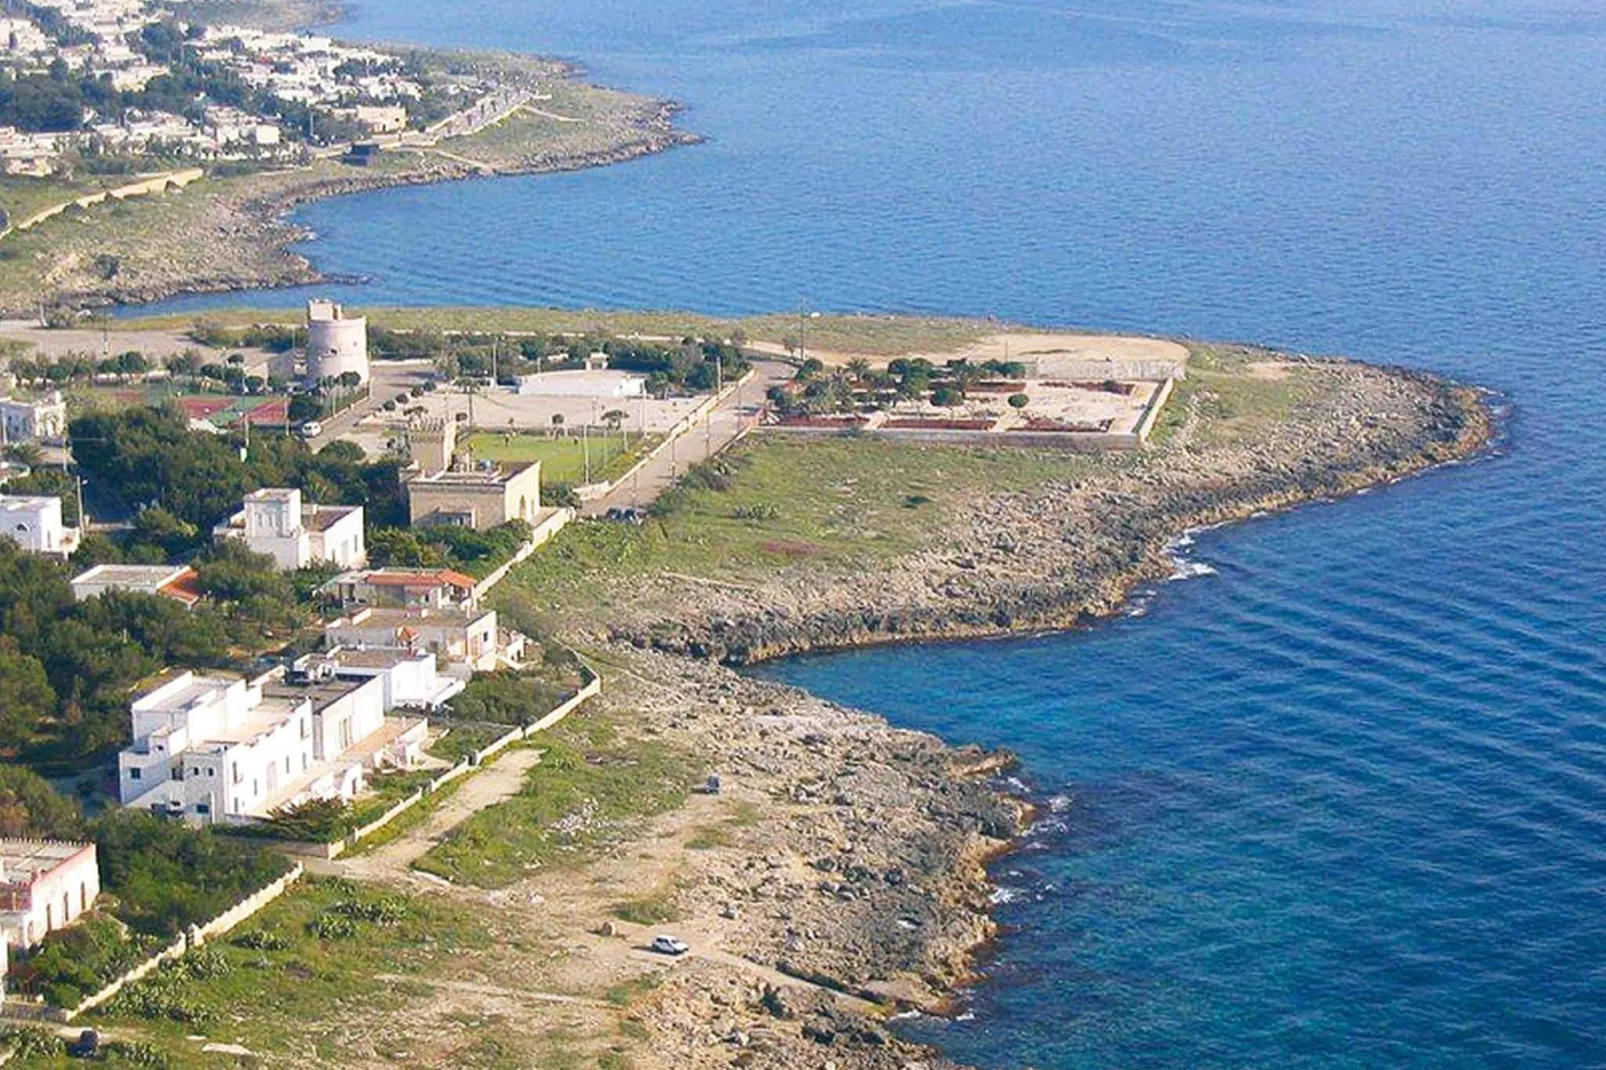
(668, 945)
(626, 515)
(86, 1046)
(310, 429)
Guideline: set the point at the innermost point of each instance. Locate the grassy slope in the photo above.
(562, 459)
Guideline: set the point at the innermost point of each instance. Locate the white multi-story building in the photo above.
(213, 748)
(44, 886)
(33, 521)
(276, 522)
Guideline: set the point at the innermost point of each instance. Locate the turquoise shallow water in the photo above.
(1342, 801)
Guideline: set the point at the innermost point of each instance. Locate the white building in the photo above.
(381, 118)
(42, 419)
(468, 638)
(592, 383)
(403, 588)
(336, 343)
(169, 581)
(217, 748)
(412, 679)
(276, 522)
(33, 521)
(44, 886)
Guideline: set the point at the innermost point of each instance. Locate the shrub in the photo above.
(1019, 401)
(261, 940)
(32, 1042)
(136, 1053)
(332, 925)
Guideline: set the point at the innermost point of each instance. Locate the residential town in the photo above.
(125, 79)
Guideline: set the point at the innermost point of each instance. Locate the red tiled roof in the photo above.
(185, 588)
(439, 577)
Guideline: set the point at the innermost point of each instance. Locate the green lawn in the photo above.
(821, 504)
(563, 460)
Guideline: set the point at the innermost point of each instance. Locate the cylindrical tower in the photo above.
(336, 343)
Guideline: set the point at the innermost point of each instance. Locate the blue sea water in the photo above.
(1341, 803)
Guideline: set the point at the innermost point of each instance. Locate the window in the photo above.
(203, 808)
(303, 728)
(134, 772)
(236, 767)
(83, 896)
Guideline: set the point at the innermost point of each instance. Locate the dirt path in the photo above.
(492, 784)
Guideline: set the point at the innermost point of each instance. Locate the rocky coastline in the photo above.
(869, 877)
(1070, 554)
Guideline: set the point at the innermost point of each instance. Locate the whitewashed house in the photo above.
(44, 886)
(33, 419)
(33, 522)
(295, 534)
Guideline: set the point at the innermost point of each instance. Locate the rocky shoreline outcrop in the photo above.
(861, 875)
(1069, 553)
(868, 878)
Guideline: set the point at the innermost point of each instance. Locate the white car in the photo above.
(311, 429)
(668, 945)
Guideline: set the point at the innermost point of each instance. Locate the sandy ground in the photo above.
(56, 343)
(1043, 347)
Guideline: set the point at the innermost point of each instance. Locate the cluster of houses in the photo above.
(364, 85)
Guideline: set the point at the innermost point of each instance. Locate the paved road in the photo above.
(708, 437)
(389, 379)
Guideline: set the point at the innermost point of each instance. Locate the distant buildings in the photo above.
(34, 523)
(170, 581)
(276, 522)
(37, 420)
(381, 118)
(336, 343)
(44, 886)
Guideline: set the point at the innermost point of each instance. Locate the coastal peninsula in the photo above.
(158, 151)
(835, 873)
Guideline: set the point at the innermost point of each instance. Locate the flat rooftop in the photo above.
(270, 715)
(148, 577)
(197, 689)
(390, 617)
(322, 693)
(29, 502)
(25, 856)
(476, 477)
(324, 517)
(372, 657)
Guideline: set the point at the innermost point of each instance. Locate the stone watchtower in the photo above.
(431, 443)
(336, 343)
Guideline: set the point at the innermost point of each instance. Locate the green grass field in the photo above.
(563, 460)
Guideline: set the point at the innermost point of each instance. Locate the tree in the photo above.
(613, 419)
(31, 809)
(26, 700)
(557, 423)
(1019, 401)
(859, 368)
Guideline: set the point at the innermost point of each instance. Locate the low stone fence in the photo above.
(195, 937)
(147, 185)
